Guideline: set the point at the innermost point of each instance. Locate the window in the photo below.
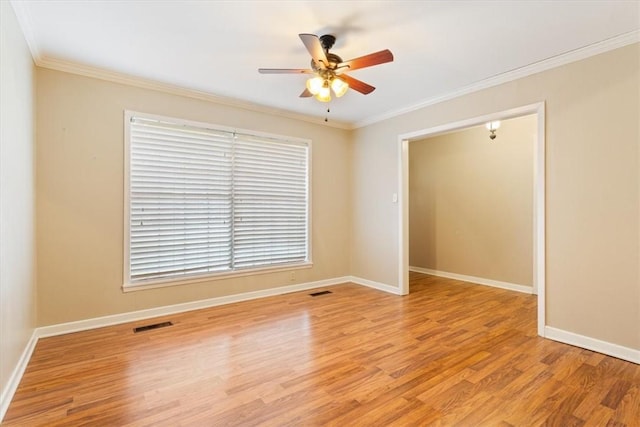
(205, 200)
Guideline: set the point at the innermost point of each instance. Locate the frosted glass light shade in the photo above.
(493, 125)
(314, 84)
(339, 86)
(324, 95)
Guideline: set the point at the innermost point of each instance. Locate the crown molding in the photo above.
(518, 73)
(121, 78)
(24, 20)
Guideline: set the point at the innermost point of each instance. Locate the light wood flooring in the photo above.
(450, 353)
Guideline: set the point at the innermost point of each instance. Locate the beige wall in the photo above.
(80, 196)
(471, 202)
(17, 209)
(592, 193)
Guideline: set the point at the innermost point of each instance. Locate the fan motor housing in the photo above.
(333, 59)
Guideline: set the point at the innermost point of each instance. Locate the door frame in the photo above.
(539, 192)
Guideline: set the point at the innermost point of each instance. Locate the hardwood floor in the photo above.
(450, 353)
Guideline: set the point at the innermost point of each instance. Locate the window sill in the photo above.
(141, 286)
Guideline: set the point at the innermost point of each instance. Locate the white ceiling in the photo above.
(216, 47)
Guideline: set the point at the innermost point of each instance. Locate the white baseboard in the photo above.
(15, 377)
(478, 280)
(99, 322)
(115, 319)
(376, 285)
(614, 350)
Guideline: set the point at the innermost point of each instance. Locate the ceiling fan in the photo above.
(330, 69)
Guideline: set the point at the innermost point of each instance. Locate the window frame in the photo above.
(131, 285)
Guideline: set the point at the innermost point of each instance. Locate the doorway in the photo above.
(538, 282)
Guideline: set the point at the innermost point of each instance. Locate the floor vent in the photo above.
(315, 294)
(154, 326)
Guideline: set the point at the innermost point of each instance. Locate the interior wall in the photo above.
(80, 131)
(592, 189)
(17, 207)
(471, 202)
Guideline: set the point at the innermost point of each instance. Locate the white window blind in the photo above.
(205, 201)
(270, 203)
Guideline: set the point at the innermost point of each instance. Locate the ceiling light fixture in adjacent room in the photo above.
(492, 127)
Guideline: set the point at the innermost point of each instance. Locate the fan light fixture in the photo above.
(492, 127)
(339, 86)
(321, 87)
(324, 94)
(327, 69)
(314, 84)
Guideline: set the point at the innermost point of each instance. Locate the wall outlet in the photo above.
(292, 276)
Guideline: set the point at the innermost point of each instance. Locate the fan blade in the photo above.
(313, 45)
(358, 85)
(368, 60)
(306, 94)
(284, 71)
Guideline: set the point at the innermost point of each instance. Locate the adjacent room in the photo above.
(319, 213)
(471, 204)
